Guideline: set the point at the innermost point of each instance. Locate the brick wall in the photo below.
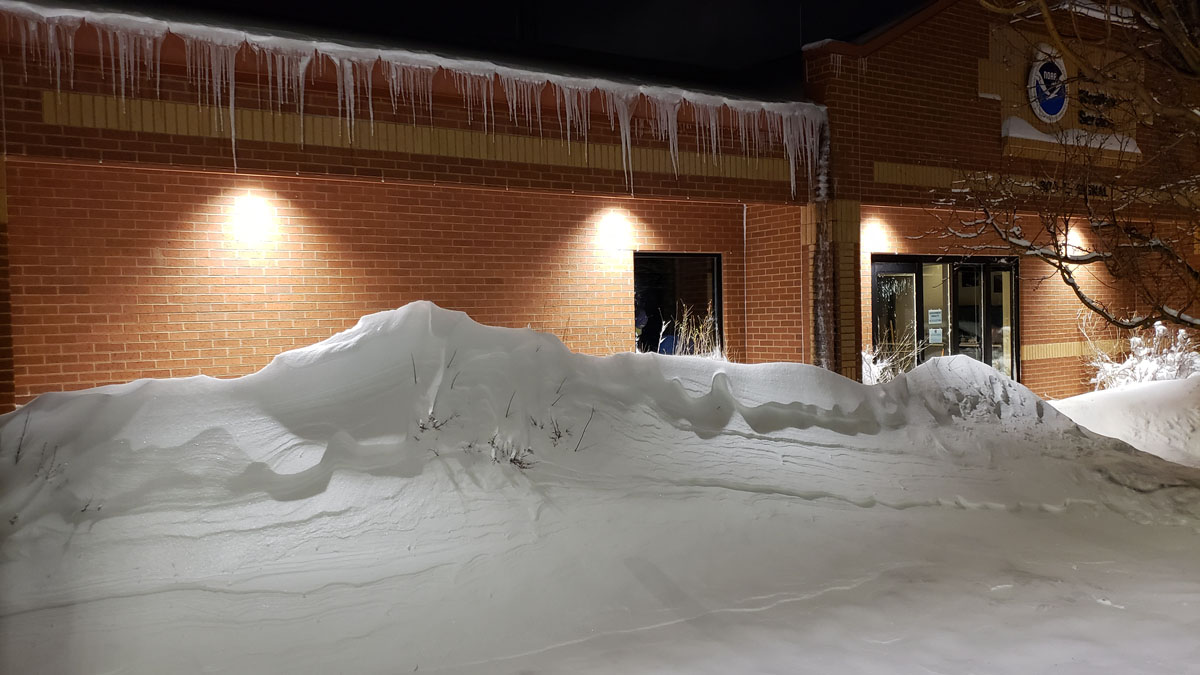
(778, 283)
(123, 263)
(120, 272)
(914, 100)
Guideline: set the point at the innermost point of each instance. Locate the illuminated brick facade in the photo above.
(118, 259)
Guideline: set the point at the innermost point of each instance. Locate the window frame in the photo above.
(718, 281)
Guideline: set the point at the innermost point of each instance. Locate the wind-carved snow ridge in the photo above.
(134, 48)
(403, 386)
(354, 500)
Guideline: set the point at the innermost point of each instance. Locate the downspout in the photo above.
(824, 290)
(745, 289)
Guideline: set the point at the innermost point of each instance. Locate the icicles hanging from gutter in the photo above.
(134, 46)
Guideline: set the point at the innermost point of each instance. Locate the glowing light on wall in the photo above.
(874, 236)
(1075, 242)
(614, 232)
(253, 220)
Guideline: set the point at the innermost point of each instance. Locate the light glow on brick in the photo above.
(614, 232)
(253, 220)
(1075, 242)
(874, 235)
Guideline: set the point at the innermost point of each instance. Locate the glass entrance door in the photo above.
(968, 310)
(1000, 319)
(896, 327)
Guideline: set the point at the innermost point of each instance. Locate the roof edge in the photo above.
(882, 36)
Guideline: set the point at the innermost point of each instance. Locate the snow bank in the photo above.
(1161, 418)
(421, 491)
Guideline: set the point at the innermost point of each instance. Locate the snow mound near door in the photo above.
(1161, 418)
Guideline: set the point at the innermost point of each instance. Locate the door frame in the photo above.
(986, 263)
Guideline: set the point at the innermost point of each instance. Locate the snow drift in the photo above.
(421, 491)
(1161, 418)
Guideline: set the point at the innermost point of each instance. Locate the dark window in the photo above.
(930, 306)
(677, 302)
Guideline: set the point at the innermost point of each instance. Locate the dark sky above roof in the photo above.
(748, 47)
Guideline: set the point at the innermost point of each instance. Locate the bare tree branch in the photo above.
(1129, 214)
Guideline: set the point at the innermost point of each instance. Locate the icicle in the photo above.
(370, 88)
(708, 120)
(620, 110)
(403, 86)
(231, 59)
(524, 98)
(100, 51)
(112, 53)
(300, 73)
(268, 62)
(343, 73)
(70, 47)
(123, 51)
(134, 54)
(473, 87)
(258, 68)
(53, 56)
(666, 113)
(392, 77)
(158, 43)
(23, 32)
(576, 109)
(538, 104)
(558, 113)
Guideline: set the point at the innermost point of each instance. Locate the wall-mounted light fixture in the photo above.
(614, 232)
(252, 220)
(874, 236)
(1076, 245)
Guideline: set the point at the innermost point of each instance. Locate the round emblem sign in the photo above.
(1047, 85)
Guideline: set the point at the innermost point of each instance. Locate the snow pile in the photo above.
(1161, 418)
(134, 45)
(422, 492)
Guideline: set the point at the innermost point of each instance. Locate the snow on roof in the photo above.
(134, 46)
(1016, 127)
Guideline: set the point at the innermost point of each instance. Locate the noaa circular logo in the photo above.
(1047, 85)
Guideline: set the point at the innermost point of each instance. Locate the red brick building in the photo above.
(159, 220)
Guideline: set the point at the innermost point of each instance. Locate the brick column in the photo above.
(846, 227)
(837, 285)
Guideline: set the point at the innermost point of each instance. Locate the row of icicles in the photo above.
(131, 55)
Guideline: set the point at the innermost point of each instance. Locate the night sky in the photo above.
(747, 47)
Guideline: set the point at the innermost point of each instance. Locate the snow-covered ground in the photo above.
(1161, 418)
(422, 493)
